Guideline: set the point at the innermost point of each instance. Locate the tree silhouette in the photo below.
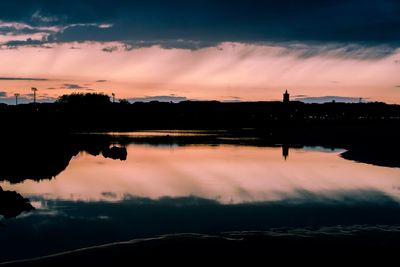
(85, 99)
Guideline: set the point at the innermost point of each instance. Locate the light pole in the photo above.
(34, 89)
(16, 98)
(113, 97)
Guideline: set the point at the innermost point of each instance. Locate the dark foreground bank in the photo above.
(325, 246)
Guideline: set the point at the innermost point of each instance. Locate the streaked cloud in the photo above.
(73, 86)
(38, 16)
(174, 99)
(251, 72)
(21, 79)
(110, 49)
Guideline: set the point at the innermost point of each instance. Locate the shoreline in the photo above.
(351, 243)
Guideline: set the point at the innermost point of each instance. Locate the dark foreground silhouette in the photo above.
(44, 156)
(299, 246)
(13, 204)
(375, 154)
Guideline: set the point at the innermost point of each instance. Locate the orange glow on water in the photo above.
(229, 174)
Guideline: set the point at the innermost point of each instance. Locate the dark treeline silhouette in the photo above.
(95, 112)
(291, 122)
(81, 100)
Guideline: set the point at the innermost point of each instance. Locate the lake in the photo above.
(144, 184)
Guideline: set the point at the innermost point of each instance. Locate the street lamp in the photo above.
(16, 98)
(34, 89)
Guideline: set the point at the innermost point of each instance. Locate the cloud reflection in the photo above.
(229, 175)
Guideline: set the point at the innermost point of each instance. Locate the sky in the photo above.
(236, 50)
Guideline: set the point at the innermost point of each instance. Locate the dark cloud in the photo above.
(3, 94)
(109, 195)
(101, 81)
(21, 79)
(169, 44)
(397, 86)
(170, 98)
(355, 51)
(39, 17)
(195, 24)
(29, 41)
(327, 99)
(74, 86)
(300, 96)
(14, 30)
(335, 50)
(231, 99)
(110, 49)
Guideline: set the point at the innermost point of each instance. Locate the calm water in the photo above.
(167, 188)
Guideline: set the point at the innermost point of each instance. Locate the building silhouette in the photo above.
(286, 97)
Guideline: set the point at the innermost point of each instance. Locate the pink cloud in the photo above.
(251, 72)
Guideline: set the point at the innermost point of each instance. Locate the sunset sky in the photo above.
(201, 50)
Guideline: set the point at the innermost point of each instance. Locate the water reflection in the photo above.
(94, 189)
(225, 173)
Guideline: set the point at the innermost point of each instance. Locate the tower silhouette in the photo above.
(286, 97)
